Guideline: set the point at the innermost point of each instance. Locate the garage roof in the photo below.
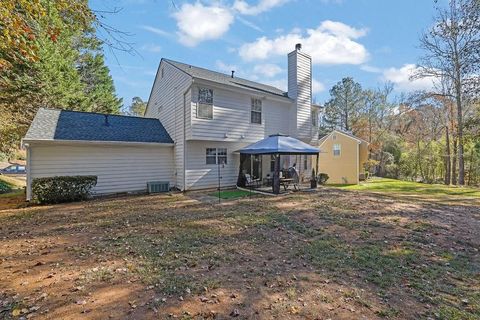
(65, 125)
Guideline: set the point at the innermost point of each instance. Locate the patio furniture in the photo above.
(285, 182)
(253, 183)
(277, 145)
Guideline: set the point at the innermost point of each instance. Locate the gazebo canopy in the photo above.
(279, 144)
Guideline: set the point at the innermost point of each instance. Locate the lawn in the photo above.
(333, 254)
(393, 186)
(231, 194)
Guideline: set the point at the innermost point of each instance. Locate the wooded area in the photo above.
(50, 56)
(431, 136)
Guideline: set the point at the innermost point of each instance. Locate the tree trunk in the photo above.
(448, 163)
(458, 100)
(470, 168)
(454, 161)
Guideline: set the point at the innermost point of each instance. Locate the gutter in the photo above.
(97, 142)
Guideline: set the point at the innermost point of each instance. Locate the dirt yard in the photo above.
(333, 254)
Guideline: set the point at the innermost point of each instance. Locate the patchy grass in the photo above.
(331, 254)
(231, 194)
(399, 186)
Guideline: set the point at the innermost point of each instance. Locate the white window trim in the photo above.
(339, 149)
(205, 104)
(217, 156)
(252, 103)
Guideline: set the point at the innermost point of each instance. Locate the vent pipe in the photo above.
(233, 73)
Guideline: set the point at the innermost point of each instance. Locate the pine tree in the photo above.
(343, 108)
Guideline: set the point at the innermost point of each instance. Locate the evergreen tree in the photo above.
(137, 108)
(343, 108)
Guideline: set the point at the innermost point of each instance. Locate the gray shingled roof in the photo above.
(54, 124)
(201, 73)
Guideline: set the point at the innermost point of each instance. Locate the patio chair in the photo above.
(253, 183)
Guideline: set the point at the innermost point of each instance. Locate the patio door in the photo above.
(253, 166)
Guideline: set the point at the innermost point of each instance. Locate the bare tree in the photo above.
(452, 54)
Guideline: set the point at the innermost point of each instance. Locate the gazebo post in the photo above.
(316, 167)
(276, 175)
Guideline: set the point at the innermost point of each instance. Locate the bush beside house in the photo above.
(62, 188)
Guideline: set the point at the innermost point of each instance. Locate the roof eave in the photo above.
(241, 88)
(27, 141)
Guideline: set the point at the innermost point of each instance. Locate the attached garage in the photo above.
(123, 152)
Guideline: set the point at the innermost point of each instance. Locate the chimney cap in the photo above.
(298, 46)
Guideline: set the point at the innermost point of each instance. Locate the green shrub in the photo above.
(4, 187)
(62, 188)
(322, 178)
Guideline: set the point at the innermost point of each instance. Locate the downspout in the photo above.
(29, 176)
(185, 133)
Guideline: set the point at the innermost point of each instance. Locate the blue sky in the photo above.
(372, 41)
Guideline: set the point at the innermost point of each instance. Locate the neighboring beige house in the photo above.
(342, 157)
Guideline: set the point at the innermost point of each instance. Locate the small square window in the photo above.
(336, 149)
(216, 156)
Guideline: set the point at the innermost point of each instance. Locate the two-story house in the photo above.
(211, 115)
(195, 120)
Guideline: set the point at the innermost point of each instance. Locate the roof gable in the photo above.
(64, 125)
(349, 135)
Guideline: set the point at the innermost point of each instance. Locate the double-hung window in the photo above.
(337, 149)
(205, 103)
(256, 113)
(314, 118)
(216, 156)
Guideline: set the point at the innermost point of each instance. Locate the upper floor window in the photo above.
(205, 103)
(256, 113)
(161, 73)
(216, 156)
(337, 148)
(314, 118)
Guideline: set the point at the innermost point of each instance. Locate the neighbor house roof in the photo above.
(64, 125)
(348, 134)
(205, 74)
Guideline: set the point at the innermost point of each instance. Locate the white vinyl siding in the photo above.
(232, 118)
(166, 103)
(300, 88)
(118, 168)
(200, 175)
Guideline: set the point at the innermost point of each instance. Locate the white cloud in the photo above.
(317, 86)
(151, 48)
(268, 70)
(369, 68)
(156, 30)
(277, 83)
(263, 5)
(197, 23)
(401, 78)
(331, 43)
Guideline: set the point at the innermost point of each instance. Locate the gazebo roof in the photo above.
(279, 144)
